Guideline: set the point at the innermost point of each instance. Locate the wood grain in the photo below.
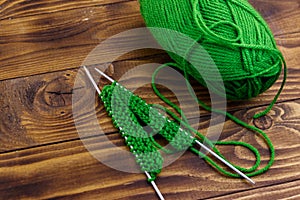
(45, 38)
(38, 110)
(80, 176)
(25, 8)
(289, 190)
(43, 155)
(57, 41)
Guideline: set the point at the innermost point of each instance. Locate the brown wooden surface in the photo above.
(43, 43)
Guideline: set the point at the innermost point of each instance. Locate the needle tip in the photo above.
(91, 79)
(251, 181)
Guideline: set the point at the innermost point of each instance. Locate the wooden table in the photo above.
(42, 45)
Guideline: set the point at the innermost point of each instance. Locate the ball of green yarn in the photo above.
(233, 33)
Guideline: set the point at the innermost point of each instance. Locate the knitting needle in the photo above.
(99, 92)
(155, 187)
(199, 143)
(92, 80)
(225, 162)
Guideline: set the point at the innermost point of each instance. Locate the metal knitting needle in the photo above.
(155, 187)
(225, 162)
(92, 80)
(99, 92)
(199, 143)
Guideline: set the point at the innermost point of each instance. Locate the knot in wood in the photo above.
(264, 122)
(58, 92)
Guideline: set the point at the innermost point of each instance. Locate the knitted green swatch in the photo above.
(130, 114)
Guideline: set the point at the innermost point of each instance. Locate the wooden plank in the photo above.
(57, 41)
(41, 155)
(288, 190)
(66, 170)
(44, 40)
(24, 8)
(38, 109)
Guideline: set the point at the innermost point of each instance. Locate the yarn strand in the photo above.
(121, 104)
(242, 47)
(233, 118)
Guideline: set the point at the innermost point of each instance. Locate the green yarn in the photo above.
(130, 113)
(234, 35)
(242, 47)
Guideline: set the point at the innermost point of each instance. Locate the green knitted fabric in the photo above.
(242, 47)
(136, 138)
(130, 114)
(232, 32)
